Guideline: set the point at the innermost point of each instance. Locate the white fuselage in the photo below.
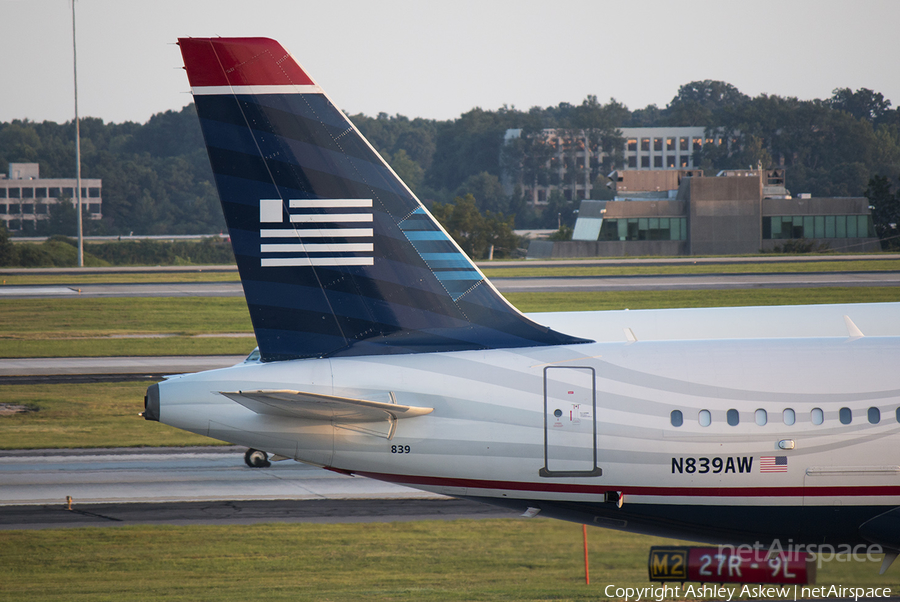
(569, 424)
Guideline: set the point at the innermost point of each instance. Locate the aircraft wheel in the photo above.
(255, 458)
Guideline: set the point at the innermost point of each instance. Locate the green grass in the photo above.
(607, 300)
(118, 278)
(52, 318)
(85, 415)
(876, 265)
(873, 265)
(83, 327)
(509, 560)
(103, 347)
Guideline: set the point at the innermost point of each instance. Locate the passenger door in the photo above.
(570, 425)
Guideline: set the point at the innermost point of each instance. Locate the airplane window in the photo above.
(874, 415)
(789, 416)
(846, 416)
(817, 415)
(677, 418)
(705, 418)
(761, 417)
(897, 414)
(733, 417)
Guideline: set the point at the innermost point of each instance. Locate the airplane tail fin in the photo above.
(336, 255)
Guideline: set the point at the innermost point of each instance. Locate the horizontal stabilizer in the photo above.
(311, 406)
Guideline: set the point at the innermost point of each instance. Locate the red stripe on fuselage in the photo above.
(873, 490)
(240, 62)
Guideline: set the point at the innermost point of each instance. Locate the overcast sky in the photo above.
(434, 59)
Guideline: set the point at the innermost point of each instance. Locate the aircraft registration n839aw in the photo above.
(385, 352)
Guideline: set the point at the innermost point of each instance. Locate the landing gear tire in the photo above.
(256, 459)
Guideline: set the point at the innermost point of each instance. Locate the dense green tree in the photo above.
(862, 104)
(8, 255)
(476, 232)
(885, 211)
(526, 159)
(391, 134)
(564, 233)
(169, 134)
(468, 146)
(826, 152)
(697, 102)
(487, 191)
(602, 189)
(61, 219)
(19, 143)
(559, 211)
(600, 127)
(649, 116)
(157, 179)
(408, 170)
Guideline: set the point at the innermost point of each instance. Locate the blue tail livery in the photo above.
(336, 255)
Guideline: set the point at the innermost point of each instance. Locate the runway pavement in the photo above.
(531, 263)
(661, 260)
(174, 364)
(58, 516)
(181, 289)
(198, 485)
(695, 282)
(63, 370)
(505, 285)
(173, 475)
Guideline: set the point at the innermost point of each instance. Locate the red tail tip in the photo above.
(240, 62)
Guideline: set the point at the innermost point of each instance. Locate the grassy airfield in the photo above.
(513, 559)
(102, 327)
(522, 271)
(799, 267)
(84, 416)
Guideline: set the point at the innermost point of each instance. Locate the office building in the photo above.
(735, 212)
(26, 198)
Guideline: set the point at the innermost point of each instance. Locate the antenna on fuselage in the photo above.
(855, 333)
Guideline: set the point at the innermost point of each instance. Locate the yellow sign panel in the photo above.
(668, 564)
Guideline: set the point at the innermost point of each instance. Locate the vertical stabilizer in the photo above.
(336, 254)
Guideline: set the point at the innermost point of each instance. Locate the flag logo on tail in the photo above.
(773, 464)
(309, 237)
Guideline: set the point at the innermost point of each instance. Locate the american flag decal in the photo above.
(773, 464)
(300, 241)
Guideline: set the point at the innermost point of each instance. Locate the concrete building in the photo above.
(736, 212)
(573, 163)
(25, 198)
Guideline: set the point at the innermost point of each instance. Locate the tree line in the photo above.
(62, 251)
(157, 180)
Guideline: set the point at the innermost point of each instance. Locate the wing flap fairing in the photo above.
(314, 406)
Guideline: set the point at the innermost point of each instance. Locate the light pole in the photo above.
(77, 148)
